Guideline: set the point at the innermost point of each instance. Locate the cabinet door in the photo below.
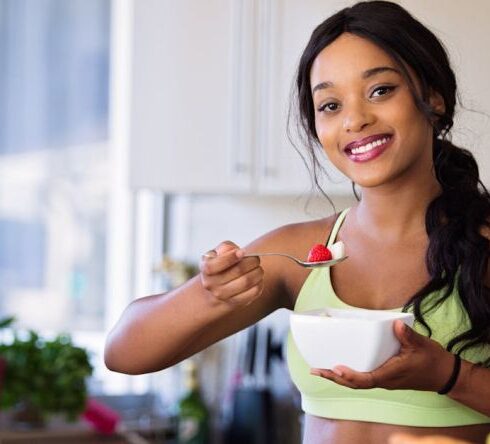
(285, 27)
(190, 123)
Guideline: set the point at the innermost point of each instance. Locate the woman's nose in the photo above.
(356, 118)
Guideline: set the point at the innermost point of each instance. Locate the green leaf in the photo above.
(7, 322)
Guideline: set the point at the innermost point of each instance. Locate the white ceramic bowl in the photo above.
(360, 339)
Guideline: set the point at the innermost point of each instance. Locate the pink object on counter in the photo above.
(103, 418)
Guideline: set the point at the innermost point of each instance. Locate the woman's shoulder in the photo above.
(316, 227)
(285, 278)
(297, 238)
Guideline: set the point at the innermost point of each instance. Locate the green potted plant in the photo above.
(42, 376)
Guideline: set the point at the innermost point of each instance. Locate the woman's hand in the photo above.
(229, 277)
(421, 364)
(403, 438)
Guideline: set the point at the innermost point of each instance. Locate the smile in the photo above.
(367, 148)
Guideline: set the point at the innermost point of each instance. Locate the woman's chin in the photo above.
(369, 182)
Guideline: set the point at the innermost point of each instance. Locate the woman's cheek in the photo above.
(325, 137)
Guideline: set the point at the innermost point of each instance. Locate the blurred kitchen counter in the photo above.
(57, 432)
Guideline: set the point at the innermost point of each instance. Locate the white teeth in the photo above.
(369, 146)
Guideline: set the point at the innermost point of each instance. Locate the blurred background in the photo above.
(136, 135)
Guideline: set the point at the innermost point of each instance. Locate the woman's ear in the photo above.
(436, 103)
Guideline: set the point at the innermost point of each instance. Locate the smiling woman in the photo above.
(367, 109)
(376, 93)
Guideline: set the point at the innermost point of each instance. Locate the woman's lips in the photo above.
(368, 148)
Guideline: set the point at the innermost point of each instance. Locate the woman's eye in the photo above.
(329, 107)
(382, 91)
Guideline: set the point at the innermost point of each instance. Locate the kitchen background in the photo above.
(136, 135)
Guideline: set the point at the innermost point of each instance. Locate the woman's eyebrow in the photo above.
(379, 69)
(365, 75)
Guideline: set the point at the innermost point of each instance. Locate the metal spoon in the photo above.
(305, 264)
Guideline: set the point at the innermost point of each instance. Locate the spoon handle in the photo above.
(275, 254)
(305, 264)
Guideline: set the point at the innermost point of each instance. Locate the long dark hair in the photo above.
(458, 254)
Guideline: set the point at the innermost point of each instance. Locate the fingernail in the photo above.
(315, 372)
(337, 371)
(239, 253)
(210, 254)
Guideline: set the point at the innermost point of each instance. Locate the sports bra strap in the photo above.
(336, 226)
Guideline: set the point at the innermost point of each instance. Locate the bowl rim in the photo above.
(386, 315)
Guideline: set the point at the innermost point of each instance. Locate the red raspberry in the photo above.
(319, 253)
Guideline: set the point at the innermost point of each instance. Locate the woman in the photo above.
(376, 93)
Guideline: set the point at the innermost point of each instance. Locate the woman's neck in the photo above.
(393, 212)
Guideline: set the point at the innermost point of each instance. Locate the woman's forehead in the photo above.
(348, 55)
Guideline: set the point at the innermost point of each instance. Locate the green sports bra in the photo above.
(321, 397)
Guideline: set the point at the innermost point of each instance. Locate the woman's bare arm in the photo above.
(156, 332)
(230, 294)
(473, 387)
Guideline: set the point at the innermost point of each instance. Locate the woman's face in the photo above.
(365, 116)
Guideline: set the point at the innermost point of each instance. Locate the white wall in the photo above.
(464, 31)
(199, 223)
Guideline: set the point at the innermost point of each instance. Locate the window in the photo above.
(54, 191)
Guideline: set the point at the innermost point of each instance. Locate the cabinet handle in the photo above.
(267, 30)
(241, 81)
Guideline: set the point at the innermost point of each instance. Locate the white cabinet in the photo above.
(190, 112)
(210, 88)
(285, 27)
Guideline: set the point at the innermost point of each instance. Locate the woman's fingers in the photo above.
(216, 273)
(226, 246)
(365, 380)
(247, 297)
(332, 376)
(220, 259)
(230, 277)
(238, 285)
